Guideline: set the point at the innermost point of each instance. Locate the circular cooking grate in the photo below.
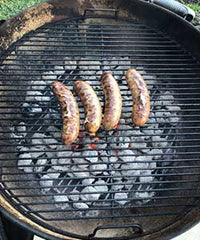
(126, 175)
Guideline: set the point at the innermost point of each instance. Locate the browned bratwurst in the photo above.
(141, 98)
(113, 101)
(92, 106)
(70, 112)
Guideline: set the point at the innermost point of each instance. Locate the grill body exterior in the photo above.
(67, 41)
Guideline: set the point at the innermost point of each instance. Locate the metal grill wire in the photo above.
(166, 68)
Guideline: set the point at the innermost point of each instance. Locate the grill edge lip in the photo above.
(170, 230)
(189, 215)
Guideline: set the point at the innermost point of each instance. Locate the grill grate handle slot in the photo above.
(136, 228)
(112, 10)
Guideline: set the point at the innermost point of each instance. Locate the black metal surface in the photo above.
(166, 21)
(176, 186)
(2, 230)
(12, 231)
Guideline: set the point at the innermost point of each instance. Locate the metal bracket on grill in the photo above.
(112, 10)
(136, 228)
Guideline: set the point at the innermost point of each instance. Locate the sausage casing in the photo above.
(141, 98)
(92, 106)
(69, 110)
(113, 101)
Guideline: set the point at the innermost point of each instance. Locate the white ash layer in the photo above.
(123, 163)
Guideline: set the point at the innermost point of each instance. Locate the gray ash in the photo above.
(120, 166)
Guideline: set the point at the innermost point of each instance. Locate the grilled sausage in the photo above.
(141, 98)
(113, 101)
(70, 112)
(92, 106)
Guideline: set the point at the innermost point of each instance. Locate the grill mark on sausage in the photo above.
(113, 101)
(141, 98)
(92, 106)
(69, 111)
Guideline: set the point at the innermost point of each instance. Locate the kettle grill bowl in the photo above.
(178, 184)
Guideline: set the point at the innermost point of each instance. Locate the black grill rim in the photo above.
(39, 233)
(188, 219)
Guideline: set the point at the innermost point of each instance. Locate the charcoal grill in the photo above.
(70, 40)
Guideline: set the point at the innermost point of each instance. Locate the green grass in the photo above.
(9, 8)
(195, 7)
